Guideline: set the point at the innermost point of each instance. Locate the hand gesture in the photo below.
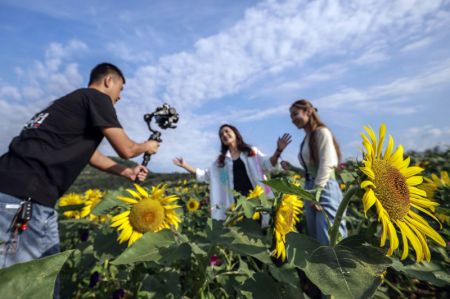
(178, 162)
(283, 142)
(285, 165)
(139, 172)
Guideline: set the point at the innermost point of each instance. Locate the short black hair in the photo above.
(103, 69)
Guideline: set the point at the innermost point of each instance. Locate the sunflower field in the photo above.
(157, 240)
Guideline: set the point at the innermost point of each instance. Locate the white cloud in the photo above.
(418, 44)
(271, 39)
(425, 137)
(44, 82)
(379, 96)
(275, 36)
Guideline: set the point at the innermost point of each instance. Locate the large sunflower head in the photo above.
(286, 217)
(148, 212)
(71, 199)
(391, 185)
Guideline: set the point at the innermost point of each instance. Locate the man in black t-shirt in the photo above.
(51, 151)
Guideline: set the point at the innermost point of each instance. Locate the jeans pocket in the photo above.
(7, 212)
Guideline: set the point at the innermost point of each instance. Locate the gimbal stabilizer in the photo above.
(166, 117)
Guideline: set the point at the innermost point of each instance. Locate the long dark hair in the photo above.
(315, 123)
(241, 145)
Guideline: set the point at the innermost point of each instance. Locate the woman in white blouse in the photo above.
(239, 167)
(319, 155)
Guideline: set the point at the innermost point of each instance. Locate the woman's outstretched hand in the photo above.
(283, 142)
(285, 165)
(179, 161)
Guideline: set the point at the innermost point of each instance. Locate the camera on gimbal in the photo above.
(166, 117)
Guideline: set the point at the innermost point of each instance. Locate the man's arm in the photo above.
(125, 147)
(103, 163)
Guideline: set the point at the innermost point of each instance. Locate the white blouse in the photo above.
(327, 160)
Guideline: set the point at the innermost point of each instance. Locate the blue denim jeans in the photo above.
(39, 240)
(330, 198)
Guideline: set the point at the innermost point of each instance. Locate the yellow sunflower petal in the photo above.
(423, 242)
(411, 171)
(134, 193)
(369, 199)
(368, 172)
(389, 148)
(413, 239)
(127, 199)
(397, 156)
(141, 190)
(427, 230)
(414, 180)
(120, 216)
(366, 184)
(382, 133)
(405, 242)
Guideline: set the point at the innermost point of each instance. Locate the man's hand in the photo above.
(152, 147)
(140, 172)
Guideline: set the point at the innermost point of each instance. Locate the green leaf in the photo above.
(146, 248)
(62, 209)
(347, 177)
(175, 253)
(352, 269)
(299, 247)
(246, 238)
(283, 185)
(34, 279)
(248, 206)
(108, 202)
(285, 274)
(432, 272)
(262, 286)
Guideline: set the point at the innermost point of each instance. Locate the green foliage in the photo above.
(232, 259)
(34, 279)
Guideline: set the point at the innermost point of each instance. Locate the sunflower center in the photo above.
(147, 215)
(391, 189)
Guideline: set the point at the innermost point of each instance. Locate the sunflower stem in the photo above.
(340, 212)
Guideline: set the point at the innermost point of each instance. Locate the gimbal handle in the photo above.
(157, 137)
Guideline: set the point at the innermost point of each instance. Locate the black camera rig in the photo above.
(166, 117)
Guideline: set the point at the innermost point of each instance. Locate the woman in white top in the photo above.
(319, 155)
(239, 167)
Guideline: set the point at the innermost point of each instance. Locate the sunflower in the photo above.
(295, 180)
(92, 198)
(192, 205)
(255, 193)
(432, 186)
(286, 217)
(391, 186)
(71, 199)
(148, 212)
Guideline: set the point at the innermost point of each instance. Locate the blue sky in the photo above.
(239, 62)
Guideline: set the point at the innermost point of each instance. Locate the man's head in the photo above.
(108, 79)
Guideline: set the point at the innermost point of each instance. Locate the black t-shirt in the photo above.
(55, 146)
(241, 181)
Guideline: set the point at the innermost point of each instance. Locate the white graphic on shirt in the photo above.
(36, 121)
